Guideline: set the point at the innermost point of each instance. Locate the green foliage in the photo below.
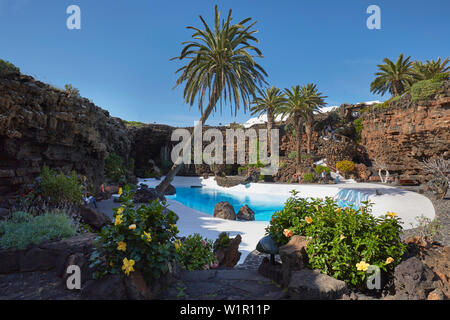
(427, 228)
(357, 123)
(196, 253)
(340, 238)
(308, 177)
(241, 170)
(143, 235)
(425, 89)
(71, 91)
(222, 241)
(320, 168)
(134, 124)
(7, 68)
(59, 188)
(115, 168)
(345, 166)
(292, 155)
(283, 164)
(23, 229)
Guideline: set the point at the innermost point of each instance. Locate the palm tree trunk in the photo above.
(298, 129)
(178, 163)
(397, 87)
(308, 128)
(270, 123)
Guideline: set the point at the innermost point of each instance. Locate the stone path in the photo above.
(229, 284)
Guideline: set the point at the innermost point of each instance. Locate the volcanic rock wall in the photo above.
(41, 125)
(404, 134)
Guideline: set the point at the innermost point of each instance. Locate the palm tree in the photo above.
(313, 101)
(393, 77)
(269, 102)
(430, 69)
(294, 109)
(220, 66)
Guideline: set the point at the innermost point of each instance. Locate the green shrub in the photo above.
(425, 89)
(241, 170)
(320, 168)
(292, 155)
(59, 188)
(7, 68)
(24, 229)
(114, 167)
(140, 238)
(340, 238)
(196, 253)
(283, 164)
(357, 123)
(222, 241)
(308, 177)
(134, 124)
(71, 91)
(345, 166)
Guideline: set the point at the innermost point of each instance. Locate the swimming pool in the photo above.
(204, 200)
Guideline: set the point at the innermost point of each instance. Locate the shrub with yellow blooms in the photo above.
(344, 241)
(139, 239)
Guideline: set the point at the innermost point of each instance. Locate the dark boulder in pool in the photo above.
(245, 213)
(145, 194)
(224, 210)
(267, 245)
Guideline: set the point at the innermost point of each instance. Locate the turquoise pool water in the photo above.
(204, 200)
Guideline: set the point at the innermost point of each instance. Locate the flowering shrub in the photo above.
(58, 188)
(196, 253)
(139, 239)
(345, 166)
(343, 242)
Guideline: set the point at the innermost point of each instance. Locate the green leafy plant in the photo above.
(308, 177)
(321, 168)
(425, 89)
(292, 155)
(196, 253)
(140, 239)
(345, 166)
(222, 241)
(357, 123)
(24, 229)
(7, 68)
(59, 188)
(114, 167)
(343, 242)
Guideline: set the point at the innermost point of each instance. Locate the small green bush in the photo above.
(241, 170)
(357, 123)
(71, 91)
(320, 168)
(196, 253)
(59, 188)
(114, 167)
(292, 155)
(7, 68)
(134, 124)
(345, 166)
(222, 241)
(23, 229)
(425, 89)
(308, 177)
(340, 238)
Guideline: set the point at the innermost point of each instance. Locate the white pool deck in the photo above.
(408, 205)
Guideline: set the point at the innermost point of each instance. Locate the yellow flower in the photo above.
(338, 210)
(118, 220)
(127, 266)
(288, 233)
(362, 266)
(177, 244)
(146, 236)
(111, 264)
(122, 246)
(342, 237)
(389, 260)
(308, 220)
(120, 191)
(391, 214)
(120, 210)
(317, 207)
(132, 227)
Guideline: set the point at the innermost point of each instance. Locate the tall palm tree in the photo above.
(294, 109)
(430, 69)
(393, 77)
(220, 66)
(313, 101)
(269, 102)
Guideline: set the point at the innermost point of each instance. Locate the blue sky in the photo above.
(120, 57)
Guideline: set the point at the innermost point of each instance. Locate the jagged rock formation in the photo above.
(405, 133)
(40, 124)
